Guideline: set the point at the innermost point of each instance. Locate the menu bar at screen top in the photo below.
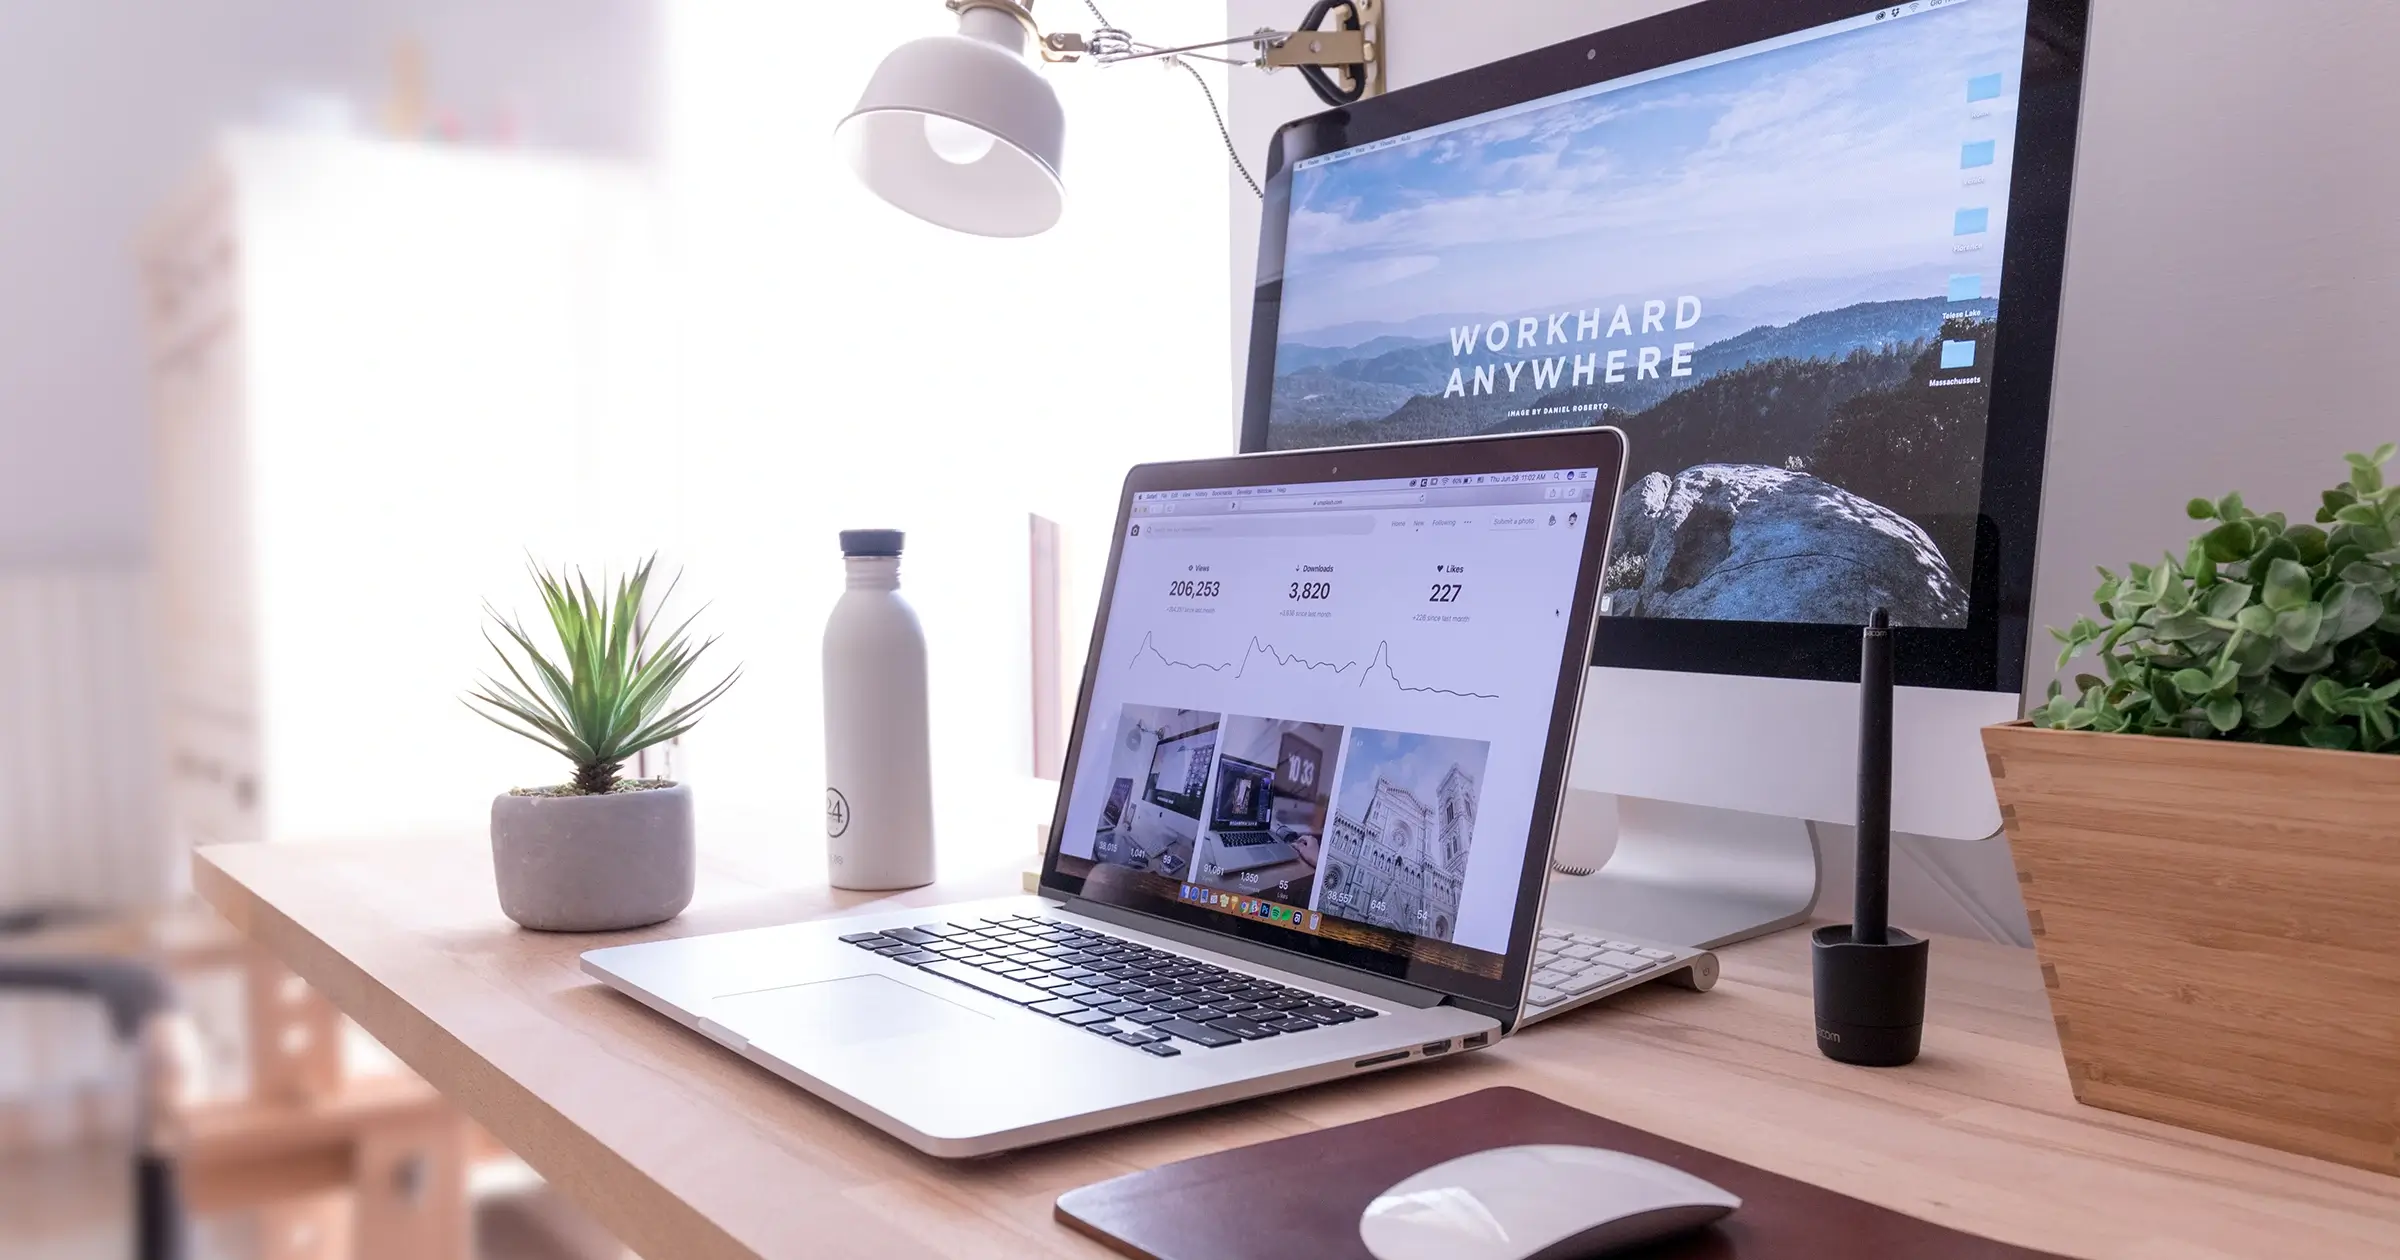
(1892, 13)
(1324, 706)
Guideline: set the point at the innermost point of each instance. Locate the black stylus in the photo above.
(1870, 916)
(1870, 976)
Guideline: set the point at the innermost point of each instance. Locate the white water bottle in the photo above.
(878, 763)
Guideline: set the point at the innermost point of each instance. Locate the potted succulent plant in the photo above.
(2214, 910)
(599, 852)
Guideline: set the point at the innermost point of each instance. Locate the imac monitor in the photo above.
(1180, 768)
(1806, 255)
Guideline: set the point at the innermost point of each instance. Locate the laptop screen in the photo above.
(1324, 707)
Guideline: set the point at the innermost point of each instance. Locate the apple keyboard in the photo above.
(1573, 966)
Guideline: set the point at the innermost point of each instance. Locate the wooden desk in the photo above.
(687, 1151)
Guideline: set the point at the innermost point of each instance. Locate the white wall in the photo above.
(847, 366)
(105, 107)
(843, 364)
(2227, 314)
(2232, 261)
(106, 104)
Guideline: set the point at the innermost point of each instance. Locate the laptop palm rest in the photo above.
(843, 1012)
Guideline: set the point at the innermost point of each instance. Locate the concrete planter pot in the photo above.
(594, 863)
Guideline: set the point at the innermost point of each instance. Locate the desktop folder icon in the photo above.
(1983, 87)
(1966, 288)
(1958, 354)
(1977, 153)
(1969, 222)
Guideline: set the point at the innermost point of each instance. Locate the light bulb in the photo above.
(953, 141)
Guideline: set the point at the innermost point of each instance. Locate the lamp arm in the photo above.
(1350, 46)
(1109, 51)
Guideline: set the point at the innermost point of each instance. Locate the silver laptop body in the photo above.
(1148, 979)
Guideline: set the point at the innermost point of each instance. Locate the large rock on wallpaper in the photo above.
(1742, 542)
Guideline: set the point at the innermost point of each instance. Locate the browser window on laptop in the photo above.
(1323, 706)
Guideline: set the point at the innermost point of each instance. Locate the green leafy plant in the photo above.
(607, 696)
(2265, 630)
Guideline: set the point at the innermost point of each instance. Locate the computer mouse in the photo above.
(1538, 1203)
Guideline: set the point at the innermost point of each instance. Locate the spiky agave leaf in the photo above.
(607, 695)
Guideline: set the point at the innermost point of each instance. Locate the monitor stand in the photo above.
(1680, 874)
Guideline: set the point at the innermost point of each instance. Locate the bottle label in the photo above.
(837, 813)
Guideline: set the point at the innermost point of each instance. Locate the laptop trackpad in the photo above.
(845, 1011)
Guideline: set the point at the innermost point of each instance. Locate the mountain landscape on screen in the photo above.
(1845, 396)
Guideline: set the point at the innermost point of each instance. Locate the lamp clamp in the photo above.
(1351, 45)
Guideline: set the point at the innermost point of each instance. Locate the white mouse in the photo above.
(1537, 1203)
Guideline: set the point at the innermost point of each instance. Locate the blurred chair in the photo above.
(136, 999)
(325, 1164)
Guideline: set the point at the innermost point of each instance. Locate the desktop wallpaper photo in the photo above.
(1776, 272)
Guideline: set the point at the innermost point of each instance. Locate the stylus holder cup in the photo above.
(1870, 998)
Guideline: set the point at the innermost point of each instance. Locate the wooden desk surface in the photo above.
(688, 1151)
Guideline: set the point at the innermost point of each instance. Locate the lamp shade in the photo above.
(961, 131)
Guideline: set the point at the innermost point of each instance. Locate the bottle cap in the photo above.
(871, 542)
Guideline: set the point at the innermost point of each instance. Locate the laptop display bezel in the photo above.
(1602, 449)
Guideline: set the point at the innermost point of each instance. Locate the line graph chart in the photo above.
(1259, 652)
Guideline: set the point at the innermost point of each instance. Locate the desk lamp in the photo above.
(961, 131)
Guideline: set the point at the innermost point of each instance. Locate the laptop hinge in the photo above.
(1384, 987)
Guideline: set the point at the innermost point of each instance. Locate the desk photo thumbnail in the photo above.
(1266, 816)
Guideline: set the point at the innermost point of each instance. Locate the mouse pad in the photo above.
(1301, 1196)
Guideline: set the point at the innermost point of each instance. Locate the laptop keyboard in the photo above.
(1151, 999)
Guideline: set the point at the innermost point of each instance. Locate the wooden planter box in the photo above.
(2219, 930)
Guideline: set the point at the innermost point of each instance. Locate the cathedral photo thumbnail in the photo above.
(1403, 822)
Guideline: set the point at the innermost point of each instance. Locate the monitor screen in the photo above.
(1776, 267)
(1326, 707)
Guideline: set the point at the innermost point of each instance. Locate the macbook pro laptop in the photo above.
(1368, 661)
